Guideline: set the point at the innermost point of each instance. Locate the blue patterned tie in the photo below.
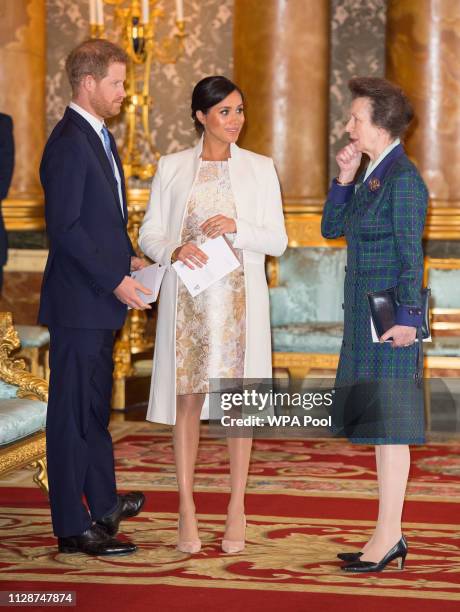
(108, 150)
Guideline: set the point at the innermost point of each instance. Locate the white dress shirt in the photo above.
(97, 125)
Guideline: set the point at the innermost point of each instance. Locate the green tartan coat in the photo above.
(383, 221)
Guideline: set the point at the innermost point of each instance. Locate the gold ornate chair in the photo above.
(443, 355)
(23, 400)
(35, 340)
(306, 289)
(306, 286)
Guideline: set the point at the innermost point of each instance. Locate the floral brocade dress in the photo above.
(211, 327)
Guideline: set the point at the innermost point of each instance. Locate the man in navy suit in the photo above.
(85, 292)
(6, 173)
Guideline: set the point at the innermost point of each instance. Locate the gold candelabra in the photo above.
(137, 20)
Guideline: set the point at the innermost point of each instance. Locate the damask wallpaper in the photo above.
(357, 47)
(208, 50)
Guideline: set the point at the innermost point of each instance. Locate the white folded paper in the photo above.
(150, 277)
(375, 338)
(222, 260)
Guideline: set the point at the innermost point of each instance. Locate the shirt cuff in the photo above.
(339, 194)
(409, 315)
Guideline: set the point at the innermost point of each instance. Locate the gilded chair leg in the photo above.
(41, 476)
(281, 373)
(46, 365)
(119, 394)
(35, 366)
(299, 372)
(427, 402)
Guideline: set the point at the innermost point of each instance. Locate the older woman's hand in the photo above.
(402, 335)
(190, 255)
(218, 226)
(348, 160)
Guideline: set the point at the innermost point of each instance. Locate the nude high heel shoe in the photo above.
(191, 547)
(234, 546)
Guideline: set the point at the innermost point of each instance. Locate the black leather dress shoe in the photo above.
(128, 505)
(95, 541)
(349, 557)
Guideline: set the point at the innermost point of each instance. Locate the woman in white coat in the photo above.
(211, 190)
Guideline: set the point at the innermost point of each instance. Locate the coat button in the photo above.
(411, 312)
(346, 268)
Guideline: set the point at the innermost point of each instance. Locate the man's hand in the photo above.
(402, 335)
(218, 225)
(348, 160)
(126, 293)
(190, 255)
(137, 263)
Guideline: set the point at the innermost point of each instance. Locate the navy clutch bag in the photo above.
(383, 306)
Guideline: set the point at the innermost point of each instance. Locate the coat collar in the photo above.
(375, 180)
(198, 149)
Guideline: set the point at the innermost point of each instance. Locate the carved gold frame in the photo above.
(30, 451)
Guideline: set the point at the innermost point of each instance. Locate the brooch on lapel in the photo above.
(374, 184)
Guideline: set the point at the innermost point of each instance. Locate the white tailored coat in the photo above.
(260, 232)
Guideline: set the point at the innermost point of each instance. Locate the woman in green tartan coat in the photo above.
(382, 216)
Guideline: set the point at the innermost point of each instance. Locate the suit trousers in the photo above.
(78, 443)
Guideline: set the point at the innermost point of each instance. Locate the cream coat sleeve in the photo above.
(153, 237)
(268, 236)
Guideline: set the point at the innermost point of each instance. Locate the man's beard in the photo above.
(104, 109)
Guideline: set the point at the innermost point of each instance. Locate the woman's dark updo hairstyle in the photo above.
(207, 93)
(391, 110)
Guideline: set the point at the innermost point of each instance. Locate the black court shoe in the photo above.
(399, 552)
(349, 557)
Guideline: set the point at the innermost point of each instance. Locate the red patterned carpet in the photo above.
(306, 501)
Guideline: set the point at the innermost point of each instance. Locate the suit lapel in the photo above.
(98, 148)
(113, 146)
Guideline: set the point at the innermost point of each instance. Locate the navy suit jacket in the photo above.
(89, 247)
(6, 173)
